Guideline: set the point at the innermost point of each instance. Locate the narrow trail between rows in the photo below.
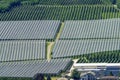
(51, 44)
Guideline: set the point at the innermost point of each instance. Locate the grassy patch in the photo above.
(54, 78)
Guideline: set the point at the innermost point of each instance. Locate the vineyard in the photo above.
(91, 29)
(78, 12)
(47, 36)
(101, 57)
(22, 50)
(75, 48)
(25, 30)
(30, 68)
(6, 5)
(74, 2)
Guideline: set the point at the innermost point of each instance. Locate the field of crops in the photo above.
(7, 5)
(74, 2)
(74, 48)
(78, 12)
(22, 50)
(74, 29)
(91, 29)
(30, 68)
(101, 57)
(25, 30)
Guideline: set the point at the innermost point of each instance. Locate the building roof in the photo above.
(96, 64)
(109, 77)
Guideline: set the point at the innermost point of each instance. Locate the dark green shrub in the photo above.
(6, 5)
(118, 4)
(75, 74)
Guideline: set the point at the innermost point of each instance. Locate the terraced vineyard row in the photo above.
(6, 5)
(79, 12)
(102, 57)
(69, 2)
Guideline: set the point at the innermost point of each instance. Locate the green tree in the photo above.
(113, 1)
(38, 77)
(118, 4)
(119, 74)
(75, 74)
(111, 74)
(48, 77)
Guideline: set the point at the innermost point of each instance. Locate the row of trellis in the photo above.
(22, 50)
(103, 57)
(29, 30)
(73, 48)
(30, 68)
(91, 29)
(95, 38)
(72, 2)
(73, 12)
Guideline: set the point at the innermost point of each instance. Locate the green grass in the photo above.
(53, 78)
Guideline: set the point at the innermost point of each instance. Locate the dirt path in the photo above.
(49, 50)
(51, 44)
(60, 31)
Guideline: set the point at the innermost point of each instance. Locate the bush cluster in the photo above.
(6, 5)
(118, 4)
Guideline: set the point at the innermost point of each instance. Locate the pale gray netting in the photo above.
(30, 68)
(71, 48)
(41, 29)
(107, 28)
(22, 50)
